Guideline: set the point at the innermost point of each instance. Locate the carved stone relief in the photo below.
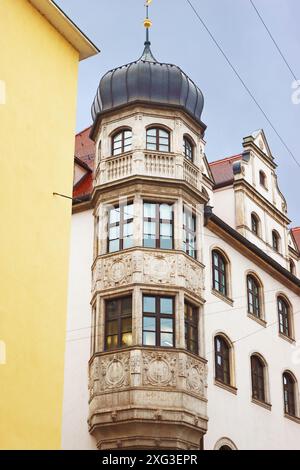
(159, 369)
(159, 268)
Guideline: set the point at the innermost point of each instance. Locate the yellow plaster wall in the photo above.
(37, 125)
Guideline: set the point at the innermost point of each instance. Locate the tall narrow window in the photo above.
(158, 321)
(158, 225)
(289, 386)
(188, 149)
(191, 322)
(284, 317)
(120, 227)
(158, 140)
(122, 142)
(253, 290)
(292, 267)
(262, 179)
(275, 240)
(222, 360)
(118, 323)
(96, 236)
(219, 271)
(258, 378)
(255, 224)
(189, 232)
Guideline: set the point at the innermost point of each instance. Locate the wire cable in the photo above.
(217, 44)
(273, 40)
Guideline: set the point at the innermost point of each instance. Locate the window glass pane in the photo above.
(163, 148)
(151, 140)
(151, 146)
(163, 134)
(166, 306)
(117, 151)
(149, 210)
(149, 241)
(148, 338)
(149, 323)
(112, 309)
(166, 243)
(128, 229)
(112, 327)
(165, 211)
(151, 132)
(127, 134)
(166, 230)
(127, 339)
(128, 212)
(113, 246)
(126, 325)
(112, 342)
(166, 325)
(114, 232)
(126, 306)
(128, 242)
(149, 304)
(149, 228)
(166, 340)
(114, 215)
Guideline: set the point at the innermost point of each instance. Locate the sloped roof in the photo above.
(222, 170)
(296, 233)
(84, 153)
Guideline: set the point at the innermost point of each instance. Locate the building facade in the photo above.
(184, 279)
(40, 49)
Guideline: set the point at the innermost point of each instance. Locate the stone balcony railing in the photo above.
(162, 165)
(147, 398)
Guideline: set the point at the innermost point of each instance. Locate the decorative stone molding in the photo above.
(159, 369)
(148, 267)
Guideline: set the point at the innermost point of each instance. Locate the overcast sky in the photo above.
(116, 27)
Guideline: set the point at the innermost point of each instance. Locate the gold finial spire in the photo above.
(147, 22)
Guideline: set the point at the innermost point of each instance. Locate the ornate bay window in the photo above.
(158, 225)
(189, 232)
(120, 227)
(191, 327)
(158, 321)
(158, 139)
(118, 323)
(122, 142)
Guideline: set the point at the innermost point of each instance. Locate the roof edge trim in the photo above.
(66, 27)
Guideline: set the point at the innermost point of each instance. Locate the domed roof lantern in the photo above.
(147, 81)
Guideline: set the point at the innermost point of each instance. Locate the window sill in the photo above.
(292, 418)
(267, 406)
(229, 388)
(286, 338)
(257, 319)
(222, 297)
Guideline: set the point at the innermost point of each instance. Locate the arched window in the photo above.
(188, 148)
(255, 225)
(258, 378)
(275, 241)
(219, 271)
(284, 315)
(158, 139)
(262, 179)
(253, 295)
(225, 444)
(289, 394)
(292, 267)
(222, 360)
(122, 141)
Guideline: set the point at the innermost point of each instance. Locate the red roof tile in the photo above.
(85, 152)
(222, 170)
(85, 147)
(296, 233)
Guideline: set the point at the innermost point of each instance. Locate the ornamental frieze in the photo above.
(159, 369)
(159, 268)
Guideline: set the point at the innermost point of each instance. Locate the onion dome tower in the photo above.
(147, 372)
